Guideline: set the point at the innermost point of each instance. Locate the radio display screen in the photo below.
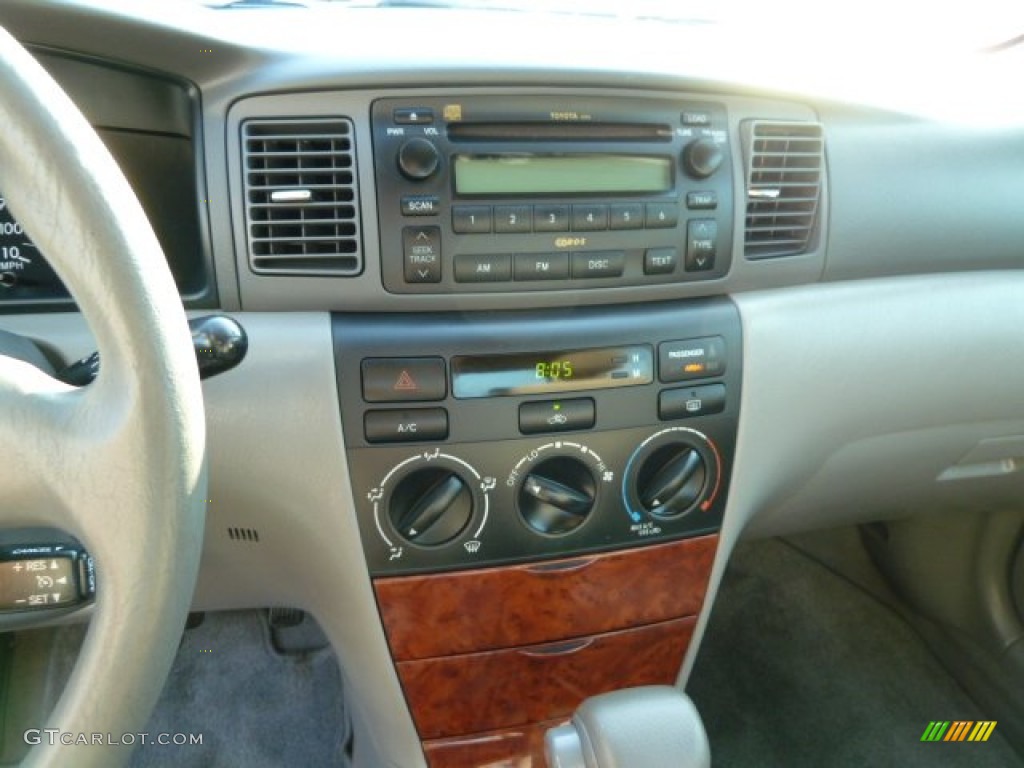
(561, 174)
(551, 372)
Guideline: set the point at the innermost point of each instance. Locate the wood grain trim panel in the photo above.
(513, 687)
(468, 611)
(509, 748)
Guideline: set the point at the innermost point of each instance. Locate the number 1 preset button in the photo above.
(471, 219)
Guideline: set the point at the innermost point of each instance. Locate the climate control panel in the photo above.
(532, 463)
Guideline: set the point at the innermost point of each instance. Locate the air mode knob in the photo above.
(670, 481)
(418, 159)
(557, 496)
(431, 506)
(701, 158)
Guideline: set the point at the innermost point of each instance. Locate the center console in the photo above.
(538, 495)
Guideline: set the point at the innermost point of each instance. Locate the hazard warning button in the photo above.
(402, 379)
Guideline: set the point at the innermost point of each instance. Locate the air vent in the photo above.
(301, 211)
(785, 162)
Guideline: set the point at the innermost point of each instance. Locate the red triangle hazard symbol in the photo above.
(406, 382)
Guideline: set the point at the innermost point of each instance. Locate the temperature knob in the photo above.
(418, 159)
(701, 158)
(670, 481)
(431, 506)
(557, 495)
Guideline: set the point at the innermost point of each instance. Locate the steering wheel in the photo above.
(119, 464)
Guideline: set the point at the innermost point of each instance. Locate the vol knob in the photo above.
(431, 506)
(701, 158)
(669, 483)
(557, 496)
(418, 159)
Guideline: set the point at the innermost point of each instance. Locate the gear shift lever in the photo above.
(651, 727)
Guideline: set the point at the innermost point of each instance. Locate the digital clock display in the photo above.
(552, 372)
(553, 369)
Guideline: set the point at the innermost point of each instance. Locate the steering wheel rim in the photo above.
(119, 464)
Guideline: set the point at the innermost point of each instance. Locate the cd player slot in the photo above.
(555, 131)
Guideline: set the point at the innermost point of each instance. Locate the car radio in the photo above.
(504, 193)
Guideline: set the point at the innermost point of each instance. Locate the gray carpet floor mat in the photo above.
(801, 668)
(254, 707)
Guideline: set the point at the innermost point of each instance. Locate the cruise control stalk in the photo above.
(220, 344)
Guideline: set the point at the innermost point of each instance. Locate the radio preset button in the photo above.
(421, 251)
(512, 218)
(483, 268)
(691, 359)
(598, 264)
(626, 216)
(702, 201)
(701, 244)
(551, 218)
(587, 218)
(420, 205)
(661, 215)
(471, 219)
(541, 266)
(660, 261)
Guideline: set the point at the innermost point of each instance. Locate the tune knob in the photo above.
(557, 495)
(418, 159)
(431, 506)
(701, 158)
(670, 481)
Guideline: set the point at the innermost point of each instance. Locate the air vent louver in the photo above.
(784, 176)
(301, 197)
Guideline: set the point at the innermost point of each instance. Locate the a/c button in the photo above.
(406, 426)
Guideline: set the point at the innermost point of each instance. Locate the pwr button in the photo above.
(403, 379)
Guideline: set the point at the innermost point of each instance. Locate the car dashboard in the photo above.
(546, 312)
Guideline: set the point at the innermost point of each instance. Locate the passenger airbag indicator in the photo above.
(691, 359)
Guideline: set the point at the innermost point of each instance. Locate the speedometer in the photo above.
(24, 273)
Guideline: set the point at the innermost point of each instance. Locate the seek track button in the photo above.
(421, 251)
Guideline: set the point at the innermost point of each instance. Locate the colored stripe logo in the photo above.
(958, 730)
